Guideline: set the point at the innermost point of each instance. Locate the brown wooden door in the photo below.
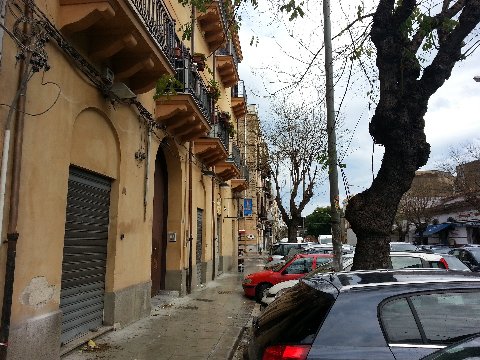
(159, 227)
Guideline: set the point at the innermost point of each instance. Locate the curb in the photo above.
(255, 313)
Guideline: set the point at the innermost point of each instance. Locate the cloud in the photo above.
(452, 116)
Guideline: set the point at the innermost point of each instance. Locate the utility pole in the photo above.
(332, 140)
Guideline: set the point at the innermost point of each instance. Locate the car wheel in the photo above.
(259, 290)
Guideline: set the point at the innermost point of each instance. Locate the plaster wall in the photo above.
(84, 129)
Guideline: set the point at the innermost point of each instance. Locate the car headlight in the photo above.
(247, 281)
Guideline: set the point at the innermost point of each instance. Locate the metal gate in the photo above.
(84, 253)
(199, 244)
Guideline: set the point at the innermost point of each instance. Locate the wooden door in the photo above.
(159, 227)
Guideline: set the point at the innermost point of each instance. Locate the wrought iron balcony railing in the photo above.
(220, 130)
(194, 85)
(238, 90)
(235, 156)
(244, 173)
(159, 23)
(229, 49)
(224, 14)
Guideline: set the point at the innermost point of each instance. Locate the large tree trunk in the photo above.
(292, 229)
(398, 122)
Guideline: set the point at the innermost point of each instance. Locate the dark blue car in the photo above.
(382, 314)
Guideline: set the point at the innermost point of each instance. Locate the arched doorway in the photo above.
(159, 227)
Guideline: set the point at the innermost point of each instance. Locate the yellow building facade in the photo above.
(112, 194)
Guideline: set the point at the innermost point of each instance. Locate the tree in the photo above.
(463, 162)
(295, 139)
(415, 208)
(400, 31)
(318, 222)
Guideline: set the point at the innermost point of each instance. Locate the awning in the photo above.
(432, 229)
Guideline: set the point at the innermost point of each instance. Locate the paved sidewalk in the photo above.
(206, 324)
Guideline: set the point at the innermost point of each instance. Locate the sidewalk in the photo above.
(206, 324)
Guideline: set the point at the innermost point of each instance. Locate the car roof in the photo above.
(422, 255)
(313, 255)
(348, 280)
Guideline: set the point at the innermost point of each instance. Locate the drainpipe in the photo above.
(12, 234)
(146, 179)
(192, 37)
(214, 216)
(190, 226)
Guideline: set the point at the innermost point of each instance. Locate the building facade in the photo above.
(122, 173)
(255, 227)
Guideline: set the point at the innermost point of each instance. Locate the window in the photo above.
(402, 262)
(399, 323)
(448, 317)
(300, 266)
(439, 318)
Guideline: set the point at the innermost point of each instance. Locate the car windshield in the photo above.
(454, 263)
(279, 266)
(323, 265)
(402, 247)
(277, 250)
(475, 253)
(280, 320)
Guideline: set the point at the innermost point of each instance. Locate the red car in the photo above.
(255, 284)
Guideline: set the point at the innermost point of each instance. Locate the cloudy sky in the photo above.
(281, 51)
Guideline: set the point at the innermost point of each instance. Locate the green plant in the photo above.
(224, 116)
(167, 85)
(214, 89)
(230, 128)
(199, 57)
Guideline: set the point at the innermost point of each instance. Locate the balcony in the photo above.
(239, 100)
(229, 168)
(240, 182)
(227, 65)
(213, 24)
(133, 38)
(186, 115)
(213, 149)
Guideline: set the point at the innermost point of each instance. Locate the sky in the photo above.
(282, 48)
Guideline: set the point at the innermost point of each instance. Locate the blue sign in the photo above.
(247, 207)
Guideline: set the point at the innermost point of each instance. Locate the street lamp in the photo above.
(476, 78)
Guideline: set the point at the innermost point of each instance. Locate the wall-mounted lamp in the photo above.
(476, 78)
(208, 172)
(122, 91)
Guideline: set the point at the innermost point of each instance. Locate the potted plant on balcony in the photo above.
(223, 116)
(214, 90)
(177, 52)
(167, 85)
(230, 127)
(199, 59)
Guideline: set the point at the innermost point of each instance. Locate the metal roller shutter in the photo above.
(199, 244)
(84, 253)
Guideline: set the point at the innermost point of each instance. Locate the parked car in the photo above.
(408, 260)
(435, 248)
(469, 255)
(400, 260)
(255, 284)
(402, 246)
(382, 314)
(276, 290)
(280, 250)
